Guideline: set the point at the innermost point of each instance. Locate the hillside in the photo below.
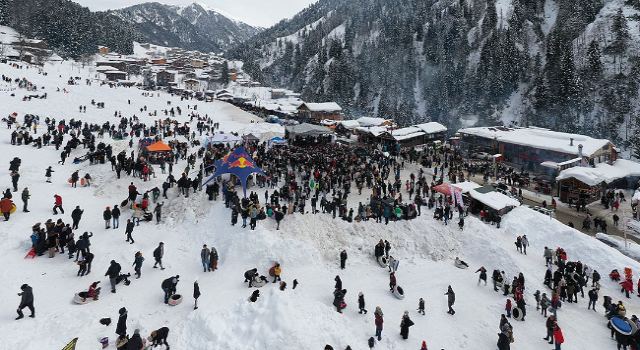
(567, 65)
(307, 246)
(192, 27)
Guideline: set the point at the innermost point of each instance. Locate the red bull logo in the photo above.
(242, 162)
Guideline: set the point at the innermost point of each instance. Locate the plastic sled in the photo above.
(82, 182)
(125, 203)
(382, 260)
(621, 326)
(79, 300)
(259, 283)
(460, 265)
(175, 299)
(398, 292)
(31, 254)
(13, 209)
(517, 314)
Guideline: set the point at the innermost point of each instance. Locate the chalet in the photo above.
(233, 76)
(164, 77)
(370, 121)
(255, 84)
(197, 63)
(115, 75)
(103, 50)
(191, 84)
(316, 112)
(537, 150)
(119, 65)
(278, 94)
(179, 63)
(159, 61)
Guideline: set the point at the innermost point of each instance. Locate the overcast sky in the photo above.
(264, 13)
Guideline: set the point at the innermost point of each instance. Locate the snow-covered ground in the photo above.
(307, 247)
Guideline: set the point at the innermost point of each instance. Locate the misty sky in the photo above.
(264, 13)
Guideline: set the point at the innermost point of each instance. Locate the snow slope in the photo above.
(307, 246)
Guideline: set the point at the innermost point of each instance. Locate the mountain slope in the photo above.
(567, 65)
(193, 27)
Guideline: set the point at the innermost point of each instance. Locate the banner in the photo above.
(458, 195)
(453, 195)
(71, 345)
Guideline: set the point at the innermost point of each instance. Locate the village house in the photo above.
(316, 112)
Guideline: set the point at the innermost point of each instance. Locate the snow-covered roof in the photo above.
(432, 127)
(407, 133)
(602, 172)
(370, 121)
(323, 107)
(495, 200)
(349, 124)
(466, 186)
(540, 138)
(114, 72)
(374, 130)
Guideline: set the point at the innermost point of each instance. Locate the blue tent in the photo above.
(239, 163)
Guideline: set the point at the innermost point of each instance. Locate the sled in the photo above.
(634, 327)
(621, 326)
(136, 206)
(70, 181)
(460, 265)
(31, 254)
(13, 208)
(125, 203)
(517, 314)
(382, 260)
(398, 292)
(80, 300)
(175, 299)
(82, 182)
(259, 282)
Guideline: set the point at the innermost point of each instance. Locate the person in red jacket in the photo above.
(58, 205)
(6, 205)
(627, 286)
(557, 333)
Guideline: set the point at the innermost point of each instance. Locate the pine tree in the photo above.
(620, 30)
(224, 74)
(490, 17)
(593, 70)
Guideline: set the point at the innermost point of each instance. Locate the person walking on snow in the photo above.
(6, 205)
(26, 301)
(405, 324)
(421, 306)
(158, 253)
(121, 328)
(392, 281)
(137, 262)
(196, 294)
(275, 272)
(47, 174)
(57, 205)
(213, 259)
(361, 303)
(451, 300)
(525, 243)
(379, 321)
(343, 259)
(557, 334)
(25, 199)
(76, 215)
(129, 230)
(205, 257)
(483, 275)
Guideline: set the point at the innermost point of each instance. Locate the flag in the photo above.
(453, 194)
(71, 345)
(459, 198)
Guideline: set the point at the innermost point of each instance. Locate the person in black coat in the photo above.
(115, 214)
(129, 230)
(169, 287)
(106, 215)
(113, 272)
(76, 215)
(254, 296)
(249, 276)
(135, 343)
(343, 259)
(361, 303)
(338, 285)
(26, 301)
(196, 293)
(159, 337)
(121, 328)
(405, 324)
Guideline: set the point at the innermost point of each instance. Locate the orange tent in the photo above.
(158, 146)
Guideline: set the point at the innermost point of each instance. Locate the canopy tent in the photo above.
(239, 163)
(277, 141)
(306, 129)
(221, 138)
(250, 137)
(158, 147)
(463, 187)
